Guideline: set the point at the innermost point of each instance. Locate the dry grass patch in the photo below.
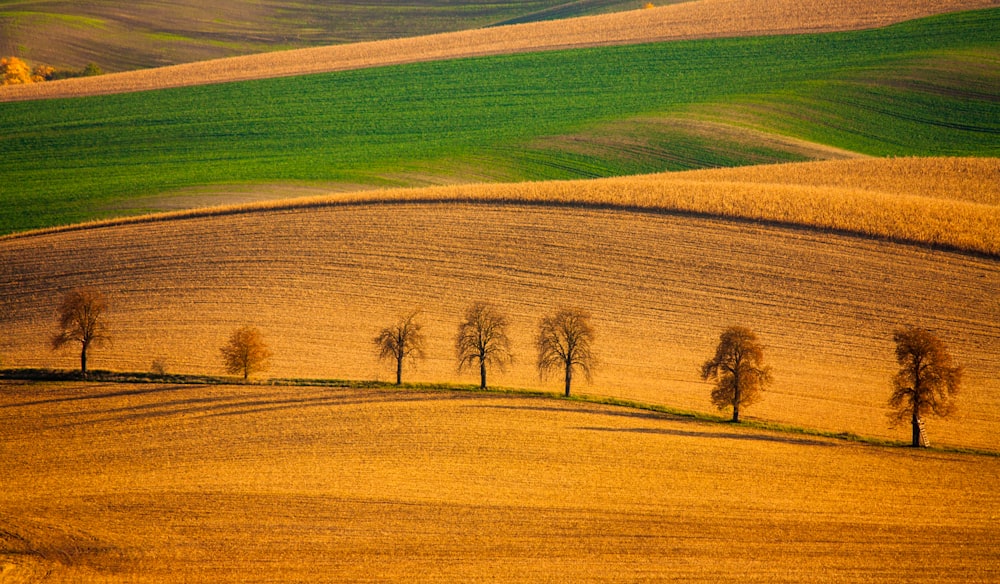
(689, 20)
(217, 484)
(975, 180)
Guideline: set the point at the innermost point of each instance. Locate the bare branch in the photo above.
(401, 341)
(482, 340)
(565, 343)
(81, 320)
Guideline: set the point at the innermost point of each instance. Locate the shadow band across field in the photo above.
(176, 404)
(97, 396)
(212, 406)
(662, 431)
(725, 435)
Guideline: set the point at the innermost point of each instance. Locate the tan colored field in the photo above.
(153, 483)
(952, 203)
(321, 279)
(976, 180)
(689, 20)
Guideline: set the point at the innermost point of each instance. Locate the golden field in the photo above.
(153, 483)
(321, 276)
(952, 203)
(688, 20)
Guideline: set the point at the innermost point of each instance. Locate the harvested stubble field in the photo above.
(152, 483)
(321, 277)
(685, 20)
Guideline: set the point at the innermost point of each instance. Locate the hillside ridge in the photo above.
(319, 282)
(691, 20)
(951, 204)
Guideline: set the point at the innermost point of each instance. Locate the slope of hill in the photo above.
(685, 20)
(144, 33)
(571, 114)
(321, 278)
(235, 484)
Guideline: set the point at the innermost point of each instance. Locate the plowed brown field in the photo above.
(690, 20)
(321, 279)
(155, 483)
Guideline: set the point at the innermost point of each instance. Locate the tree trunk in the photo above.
(569, 377)
(736, 399)
(482, 374)
(915, 423)
(399, 371)
(83, 360)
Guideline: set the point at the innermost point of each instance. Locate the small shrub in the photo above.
(159, 366)
(92, 69)
(14, 71)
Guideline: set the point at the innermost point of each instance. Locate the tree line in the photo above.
(926, 383)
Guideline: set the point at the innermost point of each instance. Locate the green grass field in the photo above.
(926, 87)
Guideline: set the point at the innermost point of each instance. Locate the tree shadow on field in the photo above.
(95, 396)
(750, 435)
(286, 404)
(725, 435)
(231, 405)
(597, 412)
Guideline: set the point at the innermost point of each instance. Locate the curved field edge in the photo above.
(42, 376)
(689, 20)
(540, 116)
(868, 205)
(65, 33)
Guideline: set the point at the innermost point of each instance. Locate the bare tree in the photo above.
(81, 320)
(927, 381)
(738, 370)
(400, 341)
(564, 343)
(482, 340)
(246, 353)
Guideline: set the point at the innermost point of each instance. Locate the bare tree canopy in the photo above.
(403, 340)
(564, 343)
(482, 340)
(927, 381)
(738, 370)
(246, 353)
(81, 320)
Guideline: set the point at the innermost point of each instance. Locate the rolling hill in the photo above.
(925, 87)
(120, 482)
(321, 276)
(677, 21)
(144, 33)
(292, 484)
